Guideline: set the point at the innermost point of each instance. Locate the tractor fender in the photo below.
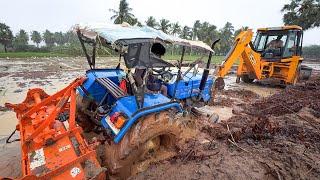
(140, 113)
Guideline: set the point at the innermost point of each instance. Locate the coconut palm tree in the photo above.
(6, 36)
(186, 32)
(164, 25)
(123, 14)
(175, 29)
(36, 37)
(152, 22)
(226, 36)
(135, 22)
(195, 29)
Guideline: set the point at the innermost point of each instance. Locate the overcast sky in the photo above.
(60, 15)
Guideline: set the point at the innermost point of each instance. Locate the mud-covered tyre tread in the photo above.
(246, 79)
(119, 157)
(83, 119)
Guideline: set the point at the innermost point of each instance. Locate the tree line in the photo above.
(203, 31)
(304, 13)
(20, 41)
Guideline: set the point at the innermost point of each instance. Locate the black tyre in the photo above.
(152, 139)
(245, 78)
(83, 115)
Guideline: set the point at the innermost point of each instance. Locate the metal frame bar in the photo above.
(91, 60)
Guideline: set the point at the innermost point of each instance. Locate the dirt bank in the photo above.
(276, 144)
(290, 100)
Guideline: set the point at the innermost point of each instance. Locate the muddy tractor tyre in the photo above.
(151, 139)
(246, 79)
(82, 116)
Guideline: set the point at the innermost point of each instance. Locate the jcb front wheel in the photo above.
(151, 139)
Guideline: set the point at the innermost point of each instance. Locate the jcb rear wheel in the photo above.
(152, 139)
(245, 78)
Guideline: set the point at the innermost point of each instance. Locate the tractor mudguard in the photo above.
(153, 103)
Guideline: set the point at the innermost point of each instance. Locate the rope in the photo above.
(8, 139)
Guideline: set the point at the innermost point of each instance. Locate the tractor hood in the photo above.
(113, 34)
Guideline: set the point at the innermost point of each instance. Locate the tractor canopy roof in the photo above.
(132, 42)
(112, 34)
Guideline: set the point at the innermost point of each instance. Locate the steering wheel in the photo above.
(165, 73)
(195, 70)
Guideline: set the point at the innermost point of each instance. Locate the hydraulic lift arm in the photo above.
(242, 51)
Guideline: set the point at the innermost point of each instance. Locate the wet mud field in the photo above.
(19, 75)
(271, 133)
(262, 131)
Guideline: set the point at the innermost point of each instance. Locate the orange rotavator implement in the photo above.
(51, 142)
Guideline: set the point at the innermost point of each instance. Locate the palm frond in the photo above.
(114, 11)
(114, 17)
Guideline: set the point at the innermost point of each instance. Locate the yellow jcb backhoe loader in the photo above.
(275, 53)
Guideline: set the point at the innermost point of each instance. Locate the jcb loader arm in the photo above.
(242, 51)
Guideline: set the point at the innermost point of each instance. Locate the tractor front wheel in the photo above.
(151, 139)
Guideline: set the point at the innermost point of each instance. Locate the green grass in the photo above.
(214, 60)
(30, 54)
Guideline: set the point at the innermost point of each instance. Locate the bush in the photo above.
(312, 51)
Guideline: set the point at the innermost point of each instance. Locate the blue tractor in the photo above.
(138, 107)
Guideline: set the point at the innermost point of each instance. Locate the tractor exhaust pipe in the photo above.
(206, 71)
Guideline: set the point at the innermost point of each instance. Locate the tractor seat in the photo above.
(111, 87)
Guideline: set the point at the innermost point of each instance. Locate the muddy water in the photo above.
(261, 90)
(223, 112)
(313, 64)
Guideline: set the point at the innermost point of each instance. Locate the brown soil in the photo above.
(290, 100)
(2, 74)
(233, 97)
(276, 144)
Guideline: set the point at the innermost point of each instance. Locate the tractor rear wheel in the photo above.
(245, 78)
(151, 139)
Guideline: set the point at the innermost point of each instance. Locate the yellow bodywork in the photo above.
(251, 62)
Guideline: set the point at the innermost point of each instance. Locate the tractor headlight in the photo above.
(118, 119)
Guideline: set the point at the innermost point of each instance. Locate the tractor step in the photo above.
(52, 145)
